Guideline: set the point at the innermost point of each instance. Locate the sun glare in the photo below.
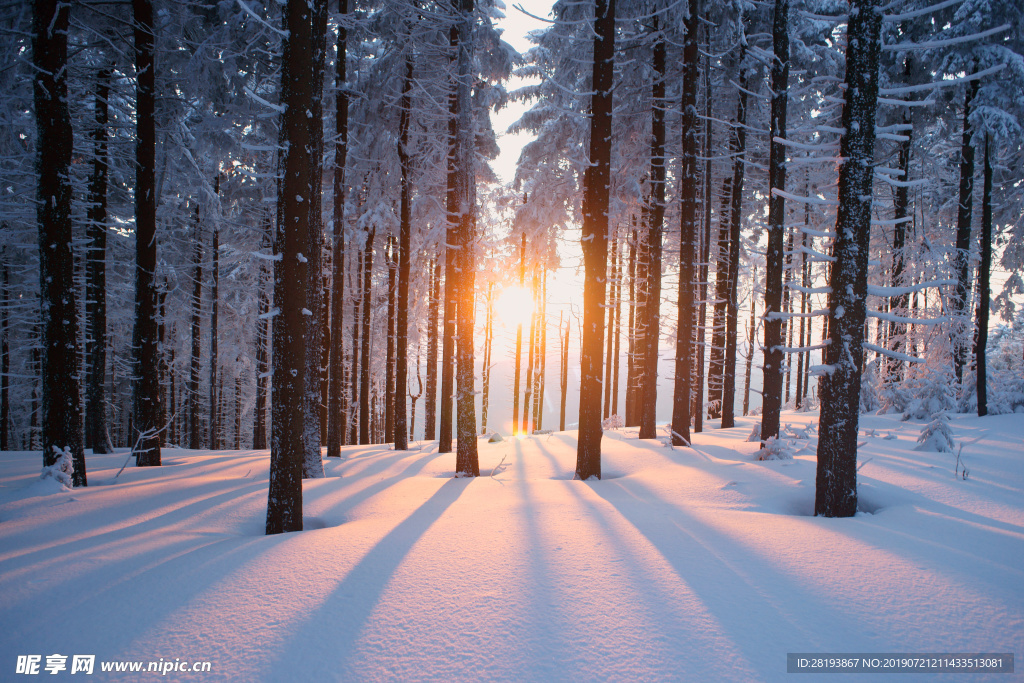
(514, 306)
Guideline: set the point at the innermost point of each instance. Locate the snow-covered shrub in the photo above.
(932, 390)
(870, 385)
(63, 470)
(936, 436)
(755, 433)
(775, 449)
(613, 422)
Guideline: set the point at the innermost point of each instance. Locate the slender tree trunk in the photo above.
(787, 306)
(301, 79)
(430, 405)
(836, 486)
(146, 408)
(688, 235)
(451, 276)
(214, 437)
(5, 359)
(528, 394)
(705, 257)
(519, 341)
(96, 286)
(485, 371)
(364, 355)
(354, 373)
(617, 336)
(390, 393)
(336, 422)
(751, 343)
(610, 307)
(736, 219)
(596, 182)
(635, 385)
(898, 303)
(565, 370)
(984, 290)
(538, 418)
(649, 400)
(716, 366)
(259, 428)
(194, 441)
(963, 238)
(401, 438)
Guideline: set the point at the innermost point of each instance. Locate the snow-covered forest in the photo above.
(741, 236)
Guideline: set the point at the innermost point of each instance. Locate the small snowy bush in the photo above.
(937, 436)
(755, 433)
(870, 382)
(63, 470)
(613, 422)
(775, 449)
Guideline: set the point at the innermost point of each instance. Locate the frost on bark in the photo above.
(965, 213)
(652, 312)
(336, 359)
(466, 458)
(596, 180)
(62, 426)
(688, 234)
(146, 361)
(836, 484)
(984, 288)
(774, 359)
(401, 427)
(300, 91)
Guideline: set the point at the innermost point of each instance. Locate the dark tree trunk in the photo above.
(901, 211)
(364, 354)
(390, 395)
(5, 358)
(194, 440)
(312, 463)
(751, 343)
(146, 402)
(640, 320)
(984, 290)
(610, 307)
(238, 412)
(404, 268)
(705, 259)
(301, 79)
(215, 428)
(836, 485)
(336, 363)
(688, 235)
(259, 428)
(354, 372)
(965, 213)
(716, 365)
(787, 306)
(774, 359)
(736, 219)
(596, 181)
(430, 403)
(451, 277)
(632, 380)
(652, 312)
(96, 278)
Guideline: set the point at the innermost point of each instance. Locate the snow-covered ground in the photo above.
(695, 564)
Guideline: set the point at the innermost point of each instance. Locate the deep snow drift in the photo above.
(682, 564)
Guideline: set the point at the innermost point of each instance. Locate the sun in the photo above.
(514, 306)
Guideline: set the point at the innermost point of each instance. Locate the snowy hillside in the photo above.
(682, 564)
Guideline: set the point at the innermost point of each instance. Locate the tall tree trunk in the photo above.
(735, 221)
(836, 485)
(451, 276)
(901, 210)
(430, 403)
(635, 381)
(565, 370)
(616, 336)
(596, 181)
(194, 440)
(519, 341)
(485, 371)
(336, 422)
(404, 267)
(652, 312)
(96, 279)
(716, 365)
(301, 79)
(610, 307)
(528, 394)
(238, 411)
(787, 306)
(312, 464)
(146, 401)
(705, 257)
(964, 215)
(259, 427)
(5, 358)
(751, 343)
(215, 428)
(984, 290)
(390, 394)
(688, 235)
(364, 354)
(542, 357)
(354, 373)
